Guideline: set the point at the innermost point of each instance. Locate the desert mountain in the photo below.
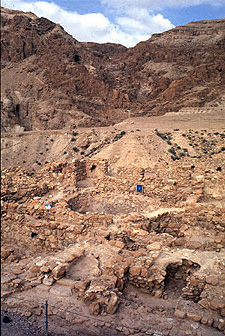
(115, 230)
(52, 81)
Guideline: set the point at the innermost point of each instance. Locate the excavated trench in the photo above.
(176, 279)
(165, 224)
(89, 203)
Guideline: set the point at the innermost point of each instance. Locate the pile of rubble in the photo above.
(101, 235)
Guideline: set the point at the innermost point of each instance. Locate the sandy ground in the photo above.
(37, 148)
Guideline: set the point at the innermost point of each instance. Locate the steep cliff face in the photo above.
(52, 81)
(181, 67)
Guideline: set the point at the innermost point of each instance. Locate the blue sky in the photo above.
(120, 21)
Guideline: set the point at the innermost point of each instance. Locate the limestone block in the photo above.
(44, 269)
(193, 281)
(221, 325)
(204, 320)
(179, 314)
(142, 233)
(212, 280)
(81, 285)
(144, 272)
(59, 271)
(94, 308)
(210, 322)
(204, 303)
(154, 246)
(113, 303)
(101, 285)
(5, 253)
(17, 282)
(158, 293)
(66, 282)
(214, 304)
(48, 280)
(117, 243)
(180, 242)
(194, 317)
(7, 278)
(34, 269)
(135, 270)
(35, 282)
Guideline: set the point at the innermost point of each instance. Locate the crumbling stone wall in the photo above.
(149, 249)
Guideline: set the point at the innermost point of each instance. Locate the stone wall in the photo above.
(166, 235)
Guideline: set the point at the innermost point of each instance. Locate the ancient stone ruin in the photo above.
(102, 241)
(113, 182)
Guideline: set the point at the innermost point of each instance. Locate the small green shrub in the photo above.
(161, 135)
(172, 151)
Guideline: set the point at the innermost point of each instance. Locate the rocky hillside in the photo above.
(52, 81)
(113, 261)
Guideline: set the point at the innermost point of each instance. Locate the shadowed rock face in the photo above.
(52, 81)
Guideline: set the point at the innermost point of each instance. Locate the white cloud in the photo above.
(137, 25)
(140, 21)
(152, 5)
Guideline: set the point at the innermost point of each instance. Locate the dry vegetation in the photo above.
(111, 260)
